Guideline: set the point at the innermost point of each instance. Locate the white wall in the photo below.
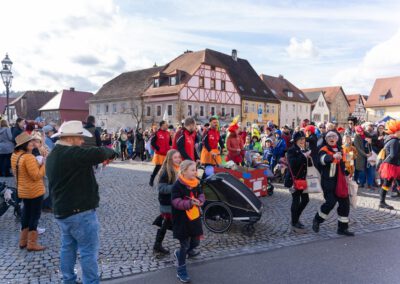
(294, 112)
(321, 109)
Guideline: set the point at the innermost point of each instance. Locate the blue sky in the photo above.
(84, 44)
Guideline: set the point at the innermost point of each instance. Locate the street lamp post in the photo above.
(6, 76)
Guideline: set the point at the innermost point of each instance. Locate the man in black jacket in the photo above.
(95, 139)
(75, 193)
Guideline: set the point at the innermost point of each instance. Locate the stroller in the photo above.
(228, 200)
(8, 197)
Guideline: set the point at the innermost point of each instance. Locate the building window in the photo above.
(223, 111)
(190, 110)
(273, 109)
(202, 111)
(123, 107)
(253, 108)
(97, 109)
(267, 111)
(300, 107)
(212, 111)
(294, 107)
(326, 117)
(105, 108)
(201, 82)
(232, 112)
(379, 112)
(290, 94)
(148, 111)
(212, 86)
(212, 67)
(158, 111)
(169, 110)
(223, 85)
(172, 81)
(246, 107)
(156, 83)
(317, 117)
(382, 97)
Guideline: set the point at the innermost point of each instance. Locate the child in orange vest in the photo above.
(349, 154)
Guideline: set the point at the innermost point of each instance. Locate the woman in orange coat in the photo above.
(234, 144)
(29, 176)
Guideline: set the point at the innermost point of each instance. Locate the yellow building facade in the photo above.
(377, 113)
(259, 112)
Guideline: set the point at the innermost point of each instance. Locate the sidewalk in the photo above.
(368, 258)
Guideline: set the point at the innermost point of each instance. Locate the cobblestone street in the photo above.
(129, 206)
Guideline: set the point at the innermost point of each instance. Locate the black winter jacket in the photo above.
(297, 163)
(392, 147)
(328, 182)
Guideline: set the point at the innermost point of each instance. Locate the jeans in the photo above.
(79, 232)
(31, 213)
(370, 172)
(359, 177)
(186, 245)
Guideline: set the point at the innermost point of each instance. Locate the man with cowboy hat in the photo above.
(75, 199)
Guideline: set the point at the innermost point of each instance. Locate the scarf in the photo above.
(176, 168)
(192, 183)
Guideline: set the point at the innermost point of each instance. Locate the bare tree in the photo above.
(137, 110)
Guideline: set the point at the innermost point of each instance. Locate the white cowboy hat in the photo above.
(72, 128)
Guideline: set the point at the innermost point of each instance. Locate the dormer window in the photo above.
(289, 94)
(382, 97)
(172, 81)
(156, 83)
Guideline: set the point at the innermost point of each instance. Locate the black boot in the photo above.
(151, 183)
(383, 203)
(343, 229)
(158, 248)
(317, 220)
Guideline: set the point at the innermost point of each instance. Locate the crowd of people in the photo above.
(54, 171)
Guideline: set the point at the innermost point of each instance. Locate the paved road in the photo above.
(368, 258)
(127, 209)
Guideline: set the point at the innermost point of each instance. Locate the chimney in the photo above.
(280, 76)
(187, 51)
(234, 54)
(72, 89)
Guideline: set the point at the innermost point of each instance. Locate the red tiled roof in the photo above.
(68, 100)
(389, 87)
(279, 87)
(353, 100)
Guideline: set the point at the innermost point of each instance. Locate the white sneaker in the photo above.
(40, 230)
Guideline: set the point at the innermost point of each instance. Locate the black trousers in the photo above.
(186, 246)
(343, 209)
(155, 172)
(31, 213)
(140, 154)
(299, 203)
(5, 164)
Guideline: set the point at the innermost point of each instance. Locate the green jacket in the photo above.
(72, 183)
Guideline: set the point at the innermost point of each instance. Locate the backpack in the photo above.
(381, 157)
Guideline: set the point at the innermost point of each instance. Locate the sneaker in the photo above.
(40, 230)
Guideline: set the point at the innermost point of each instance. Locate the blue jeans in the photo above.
(80, 232)
(186, 245)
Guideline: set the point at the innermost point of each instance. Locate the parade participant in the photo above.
(243, 134)
(255, 131)
(390, 167)
(123, 141)
(322, 131)
(234, 143)
(90, 126)
(185, 140)
(247, 143)
(349, 153)
(287, 136)
(6, 149)
(75, 199)
(210, 154)
(279, 149)
(48, 130)
(298, 161)
(334, 185)
(30, 187)
(161, 144)
(139, 145)
(187, 198)
(312, 142)
(167, 177)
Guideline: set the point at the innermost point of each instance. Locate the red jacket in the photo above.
(160, 142)
(211, 139)
(184, 142)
